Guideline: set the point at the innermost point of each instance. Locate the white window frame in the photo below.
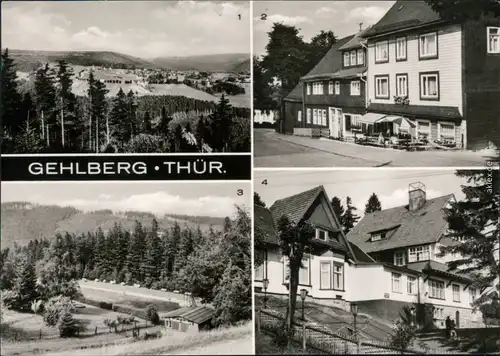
(320, 116)
(437, 289)
(330, 88)
(411, 285)
(378, 51)
(361, 56)
(318, 233)
(418, 127)
(456, 292)
(419, 253)
(399, 258)
(299, 116)
(317, 88)
(440, 130)
(347, 59)
(396, 283)
(380, 79)
(422, 86)
(489, 38)
(401, 54)
(262, 269)
(337, 88)
(338, 276)
(434, 51)
(306, 262)
(308, 89)
(325, 282)
(355, 88)
(315, 116)
(354, 58)
(323, 122)
(308, 116)
(405, 86)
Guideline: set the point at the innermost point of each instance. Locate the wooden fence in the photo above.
(321, 338)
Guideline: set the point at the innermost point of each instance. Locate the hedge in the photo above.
(95, 303)
(125, 309)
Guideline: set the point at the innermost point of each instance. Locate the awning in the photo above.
(370, 118)
(396, 119)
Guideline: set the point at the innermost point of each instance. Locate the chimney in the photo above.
(416, 196)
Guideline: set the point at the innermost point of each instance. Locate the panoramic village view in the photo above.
(100, 85)
(125, 268)
(384, 262)
(380, 83)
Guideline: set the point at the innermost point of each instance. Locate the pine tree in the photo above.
(202, 132)
(172, 246)
(132, 113)
(98, 111)
(257, 200)
(66, 99)
(164, 124)
(67, 324)
(221, 122)
(146, 125)
(184, 248)
(136, 252)
(45, 96)
(350, 218)
(10, 110)
(373, 204)
(338, 209)
(26, 284)
(119, 118)
(154, 253)
(475, 221)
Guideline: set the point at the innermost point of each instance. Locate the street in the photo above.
(277, 150)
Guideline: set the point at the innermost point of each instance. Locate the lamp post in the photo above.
(303, 295)
(412, 312)
(265, 284)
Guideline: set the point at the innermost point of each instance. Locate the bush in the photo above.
(10, 298)
(95, 303)
(144, 143)
(125, 309)
(152, 314)
(55, 307)
(403, 336)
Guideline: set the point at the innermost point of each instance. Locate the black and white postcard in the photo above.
(126, 268)
(125, 76)
(376, 83)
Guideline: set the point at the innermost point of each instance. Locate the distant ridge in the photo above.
(28, 60)
(24, 221)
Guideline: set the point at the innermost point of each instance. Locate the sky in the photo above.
(143, 29)
(391, 186)
(194, 198)
(341, 17)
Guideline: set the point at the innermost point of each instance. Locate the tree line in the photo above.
(214, 266)
(51, 118)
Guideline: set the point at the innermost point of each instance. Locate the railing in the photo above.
(321, 338)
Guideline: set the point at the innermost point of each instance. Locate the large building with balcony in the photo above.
(436, 80)
(389, 260)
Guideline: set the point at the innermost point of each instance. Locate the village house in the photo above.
(190, 319)
(436, 80)
(389, 260)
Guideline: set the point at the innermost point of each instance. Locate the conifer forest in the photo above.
(47, 117)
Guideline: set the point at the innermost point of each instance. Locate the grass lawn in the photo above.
(20, 333)
(264, 346)
(174, 342)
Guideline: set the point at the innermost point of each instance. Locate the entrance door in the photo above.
(336, 122)
(457, 319)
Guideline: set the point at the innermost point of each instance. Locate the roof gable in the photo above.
(402, 15)
(264, 223)
(295, 94)
(407, 228)
(331, 62)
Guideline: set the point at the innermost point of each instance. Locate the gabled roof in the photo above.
(355, 41)
(295, 94)
(194, 314)
(409, 228)
(404, 15)
(296, 207)
(330, 63)
(263, 221)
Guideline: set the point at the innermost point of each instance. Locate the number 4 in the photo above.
(264, 182)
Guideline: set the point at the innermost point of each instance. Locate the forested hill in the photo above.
(23, 221)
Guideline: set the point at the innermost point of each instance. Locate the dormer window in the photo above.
(324, 235)
(377, 236)
(353, 58)
(361, 57)
(420, 253)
